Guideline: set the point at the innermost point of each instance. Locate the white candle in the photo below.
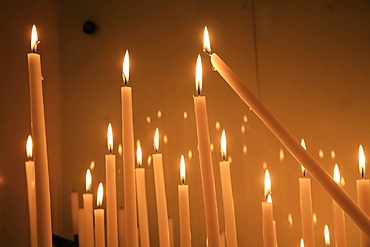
(227, 196)
(74, 211)
(305, 199)
(326, 236)
(184, 212)
(129, 158)
(205, 159)
(267, 214)
(288, 140)
(88, 211)
(40, 147)
(111, 192)
(81, 228)
(141, 201)
(363, 194)
(99, 220)
(31, 193)
(339, 220)
(160, 192)
(121, 227)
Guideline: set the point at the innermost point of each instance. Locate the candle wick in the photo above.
(125, 81)
(362, 172)
(35, 47)
(223, 155)
(183, 180)
(198, 90)
(304, 173)
(209, 53)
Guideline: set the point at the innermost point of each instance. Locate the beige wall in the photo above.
(312, 73)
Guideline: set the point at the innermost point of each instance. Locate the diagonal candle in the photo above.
(205, 159)
(40, 147)
(288, 140)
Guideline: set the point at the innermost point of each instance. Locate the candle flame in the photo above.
(139, 155)
(126, 69)
(198, 76)
(99, 199)
(336, 174)
(206, 42)
(110, 138)
(327, 235)
(361, 161)
(269, 198)
(267, 184)
(29, 147)
(223, 145)
(156, 140)
(88, 180)
(304, 171)
(302, 243)
(34, 39)
(182, 169)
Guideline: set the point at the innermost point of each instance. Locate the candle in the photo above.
(88, 211)
(327, 236)
(81, 228)
(170, 229)
(184, 213)
(40, 147)
(99, 220)
(141, 200)
(288, 140)
(339, 220)
(363, 194)
(128, 156)
(111, 192)
(74, 211)
(205, 159)
(305, 200)
(160, 192)
(227, 196)
(121, 227)
(267, 214)
(31, 193)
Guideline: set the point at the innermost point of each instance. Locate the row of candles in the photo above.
(41, 180)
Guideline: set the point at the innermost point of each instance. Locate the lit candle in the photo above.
(31, 193)
(160, 192)
(184, 212)
(227, 196)
(363, 194)
(40, 147)
(267, 214)
(327, 236)
(205, 159)
(288, 140)
(111, 192)
(81, 228)
(339, 220)
(99, 219)
(141, 200)
(74, 211)
(88, 211)
(129, 157)
(305, 199)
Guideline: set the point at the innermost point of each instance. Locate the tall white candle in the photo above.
(111, 192)
(74, 211)
(88, 211)
(267, 214)
(205, 159)
(160, 192)
(81, 228)
(305, 199)
(227, 196)
(141, 200)
(44, 227)
(129, 158)
(288, 140)
(99, 220)
(31, 193)
(184, 212)
(339, 220)
(363, 194)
